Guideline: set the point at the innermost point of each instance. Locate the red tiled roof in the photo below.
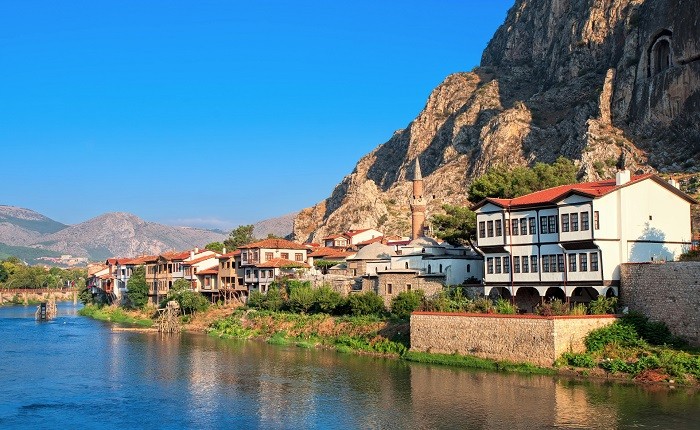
(175, 255)
(214, 270)
(281, 262)
(333, 236)
(367, 242)
(351, 233)
(330, 252)
(229, 255)
(200, 259)
(274, 244)
(590, 189)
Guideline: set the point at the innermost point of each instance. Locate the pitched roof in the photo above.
(330, 252)
(175, 255)
(229, 255)
(213, 270)
(588, 189)
(367, 242)
(200, 259)
(281, 262)
(274, 244)
(352, 233)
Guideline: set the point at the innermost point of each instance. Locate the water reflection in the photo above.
(93, 377)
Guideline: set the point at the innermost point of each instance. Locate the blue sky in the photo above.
(160, 107)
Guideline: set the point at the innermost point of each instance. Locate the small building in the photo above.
(265, 261)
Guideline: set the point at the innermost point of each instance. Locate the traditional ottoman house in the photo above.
(231, 283)
(265, 261)
(569, 241)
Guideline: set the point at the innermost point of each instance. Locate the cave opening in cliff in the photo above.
(660, 56)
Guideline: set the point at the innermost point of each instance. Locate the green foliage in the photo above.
(368, 303)
(603, 305)
(406, 302)
(618, 334)
(215, 246)
(190, 301)
(3, 273)
(505, 182)
(578, 360)
(137, 288)
(239, 236)
(457, 226)
(578, 309)
(272, 301)
(503, 306)
(654, 332)
(112, 314)
(554, 307)
(691, 255)
(324, 263)
(231, 327)
(85, 297)
(475, 363)
(301, 299)
(327, 300)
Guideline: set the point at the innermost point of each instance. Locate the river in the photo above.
(74, 372)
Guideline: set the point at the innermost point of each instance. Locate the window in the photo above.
(469, 268)
(482, 229)
(430, 269)
(574, 222)
(596, 220)
(525, 264)
(533, 227)
(506, 226)
(284, 255)
(408, 287)
(545, 263)
(533, 264)
(523, 226)
(552, 223)
(407, 265)
(489, 265)
(269, 256)
(516, 264)
(247, 273)
(389, 289)
(299, 256)
(564, 223)
(572, 262)
(489, 228)
(440, 271)
(594, 261)
(583, 262)
(584, 221)
(506, 264)
(499, 231)
(560, 262)
(498, 264)
(515, 229)
(543, 225)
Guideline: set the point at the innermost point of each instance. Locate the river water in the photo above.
(76, 373)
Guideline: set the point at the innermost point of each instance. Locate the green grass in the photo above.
(472, 362)
(115, 315)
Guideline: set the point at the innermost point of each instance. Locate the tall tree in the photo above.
(239, 236)
(215, 246)
(137, 288)
(457, 225)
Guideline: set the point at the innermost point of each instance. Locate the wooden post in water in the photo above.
(75, 297)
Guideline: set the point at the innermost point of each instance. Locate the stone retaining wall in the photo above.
(517, 338)
(668, 292)
(9, 295)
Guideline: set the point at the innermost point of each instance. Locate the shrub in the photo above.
(327, 300)
(603, 305)
(552, 308)
(654, 332)
(273, 300)
(578, 309)
(406, 302)
(578, 360)
(368, 303)
(616, 333)
(504, 306)
(301, 299)
(483, 305)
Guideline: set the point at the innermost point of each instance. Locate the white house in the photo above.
(569, 241)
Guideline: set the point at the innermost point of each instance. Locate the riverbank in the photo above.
(116, 315)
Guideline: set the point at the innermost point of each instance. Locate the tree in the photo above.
(189, 301)
(239, 236)
(215, 246)
(508, 183)
(3, 273)
(457, 226)
(137, 288)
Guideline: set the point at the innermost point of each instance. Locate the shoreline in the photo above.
(276, 334)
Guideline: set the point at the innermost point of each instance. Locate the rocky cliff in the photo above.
(586, 79)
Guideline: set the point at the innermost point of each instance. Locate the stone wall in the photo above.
(668, 292)
(400, 282)
(518, 338)
(27, 295)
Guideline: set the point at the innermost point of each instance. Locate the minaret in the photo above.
(417, 204)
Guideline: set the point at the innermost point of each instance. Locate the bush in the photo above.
(327, 300)
(603, 305)
(578, 360)
(553, 307)
(368, 303)
(504, 306)
(578, 309)
(654, 332)
(406, 302)
(622, 335)
(301, 299)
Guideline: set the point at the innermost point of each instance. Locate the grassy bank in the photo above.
(116, 315)
(476, 363)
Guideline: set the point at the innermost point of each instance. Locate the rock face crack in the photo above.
(559, 77)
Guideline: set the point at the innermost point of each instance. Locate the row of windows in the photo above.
(551, 263)
(548, 225)
(263, 273)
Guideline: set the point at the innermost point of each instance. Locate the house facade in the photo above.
(568, 242)
(265, 261)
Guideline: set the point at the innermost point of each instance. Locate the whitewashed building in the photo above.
(569, 241)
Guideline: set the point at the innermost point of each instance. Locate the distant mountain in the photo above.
(21, 227)
(124, 235)
(281, 226)
(24, 253)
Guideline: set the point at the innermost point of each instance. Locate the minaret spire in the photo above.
(417, 204)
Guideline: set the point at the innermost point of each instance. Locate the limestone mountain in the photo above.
(281, 226)
(21, 227)
(586, 79)
(124, 235)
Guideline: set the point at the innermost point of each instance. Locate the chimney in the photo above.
(674, 183)
(196, 250)
(223, 251)
(191, 255)
(622, 177)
